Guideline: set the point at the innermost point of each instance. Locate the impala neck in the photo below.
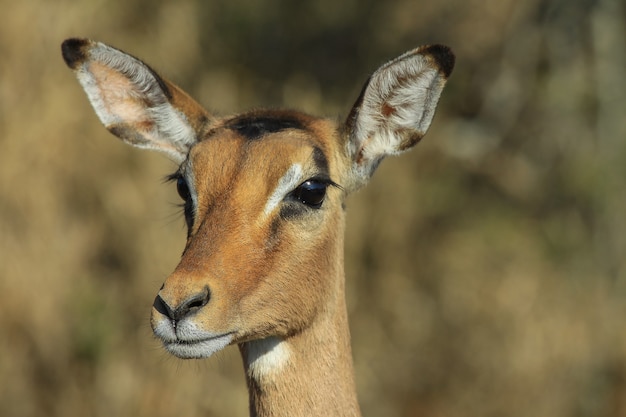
(309, 373)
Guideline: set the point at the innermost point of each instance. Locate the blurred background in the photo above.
(486, 269)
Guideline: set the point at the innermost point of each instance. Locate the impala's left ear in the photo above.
(395, 108)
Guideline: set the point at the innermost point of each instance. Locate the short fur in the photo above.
(250, 275)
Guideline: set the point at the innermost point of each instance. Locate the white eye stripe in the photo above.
(292, 178)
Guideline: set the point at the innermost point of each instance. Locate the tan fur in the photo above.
(249, 275)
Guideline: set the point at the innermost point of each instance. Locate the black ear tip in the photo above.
(443, 56)
(73, 51)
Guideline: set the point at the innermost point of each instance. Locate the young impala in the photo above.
(264, 196)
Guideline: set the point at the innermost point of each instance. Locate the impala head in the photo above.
(263, 191)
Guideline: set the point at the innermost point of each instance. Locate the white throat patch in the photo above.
(267, 356)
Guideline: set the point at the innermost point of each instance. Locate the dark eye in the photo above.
(182, 188)
(311, 193)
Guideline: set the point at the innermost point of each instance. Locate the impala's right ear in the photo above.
(133, 102)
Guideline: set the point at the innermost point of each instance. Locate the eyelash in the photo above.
(183, 191)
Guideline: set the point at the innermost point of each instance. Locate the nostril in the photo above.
(162, 307)
(197, 303)
(192, 304)
(187, 307)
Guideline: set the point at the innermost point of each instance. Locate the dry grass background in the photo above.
(486, 269)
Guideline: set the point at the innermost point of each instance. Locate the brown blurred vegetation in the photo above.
(486, 269)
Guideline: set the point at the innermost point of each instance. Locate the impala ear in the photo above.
(395, 108)
(133, 102)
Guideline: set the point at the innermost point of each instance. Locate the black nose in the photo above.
(186, 308)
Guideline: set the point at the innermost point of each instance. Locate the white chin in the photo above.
(199, 349)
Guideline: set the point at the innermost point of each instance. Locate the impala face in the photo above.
(254, 188)
(263, 193)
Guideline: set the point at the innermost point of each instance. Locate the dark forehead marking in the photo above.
(320, 160)
(255, 126)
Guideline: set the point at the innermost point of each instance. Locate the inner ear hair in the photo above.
(396, 107)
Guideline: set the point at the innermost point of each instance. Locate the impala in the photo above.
(264, 196)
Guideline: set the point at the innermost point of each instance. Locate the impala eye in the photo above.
(183, 191)
(182, 188)
(311, 193)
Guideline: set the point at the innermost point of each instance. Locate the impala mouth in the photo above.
(197, 349)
